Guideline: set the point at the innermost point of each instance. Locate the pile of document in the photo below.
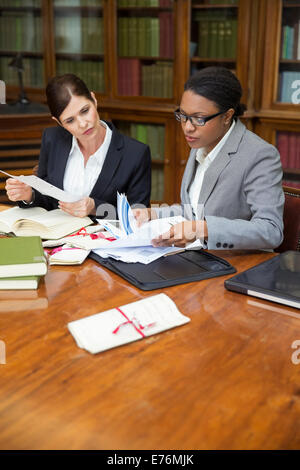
(127, 323)
(131, 243)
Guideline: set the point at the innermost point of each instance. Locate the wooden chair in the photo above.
(291, 220)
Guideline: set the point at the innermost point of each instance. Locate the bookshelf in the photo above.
(137, 54)
(21, 31)
(145, 48)
(278, 117)
(79, 40)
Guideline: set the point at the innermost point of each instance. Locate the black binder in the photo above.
(187, 266)
(277, 280)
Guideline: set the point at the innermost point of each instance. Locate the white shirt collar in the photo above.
(103, 147)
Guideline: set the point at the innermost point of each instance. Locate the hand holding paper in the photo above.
(18, 191)
(43, 187)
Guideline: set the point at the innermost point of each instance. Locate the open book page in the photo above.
(9, 216)
(52, 224)
(44, 188)
(125, 324)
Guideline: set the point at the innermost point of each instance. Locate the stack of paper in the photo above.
(67, 255)
(132, 243)
(125, 324)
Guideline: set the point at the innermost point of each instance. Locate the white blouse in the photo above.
(80, 179)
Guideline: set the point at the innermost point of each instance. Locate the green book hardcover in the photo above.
(213, 39)
(19, 283)
(141, 133)
(22, 256)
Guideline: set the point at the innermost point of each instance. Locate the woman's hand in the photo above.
(182, 234)
(80, 208)
(143, 215)
(18, 191)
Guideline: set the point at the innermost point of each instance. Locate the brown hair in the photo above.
(60, 89)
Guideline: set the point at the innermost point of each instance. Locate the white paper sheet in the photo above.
(45, 188)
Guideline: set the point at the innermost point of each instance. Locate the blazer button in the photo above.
(225, 245)
(218, 245)
(231, 246)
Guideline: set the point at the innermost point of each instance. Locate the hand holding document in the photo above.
(125, 324)
(132, 243)
(43, 187)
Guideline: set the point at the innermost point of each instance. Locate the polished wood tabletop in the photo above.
(225, 380)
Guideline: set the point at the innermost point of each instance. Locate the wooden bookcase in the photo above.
(137, 54)
(278, 99)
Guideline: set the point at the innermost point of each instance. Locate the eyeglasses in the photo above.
(194, 120)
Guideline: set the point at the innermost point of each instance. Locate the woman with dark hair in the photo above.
(231, 190)
(85, 156)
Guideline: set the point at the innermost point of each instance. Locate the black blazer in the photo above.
(127, 169)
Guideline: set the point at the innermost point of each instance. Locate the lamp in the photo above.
(22, 105)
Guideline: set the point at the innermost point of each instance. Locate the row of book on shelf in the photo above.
(289, 87)
(33, 72)
(218, 2)
(146, 36)
(79, 34)
(150, 134)
(20, 31)
(20, 3)
(137, 79)
(290, 41)
(145, 3)
(154, 136)
(217, 35)
(288, 144)
(91, 72)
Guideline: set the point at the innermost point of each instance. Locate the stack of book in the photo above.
(146, 36)
(91, 72)
(154, 79)
(288, 144)
(20, 31)
(154, 136)
(22, 262)
(79, 35)
(217, 35)
(290, 41)
(145, 3)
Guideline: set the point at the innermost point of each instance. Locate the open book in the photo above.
(125, 324)
(38, 221)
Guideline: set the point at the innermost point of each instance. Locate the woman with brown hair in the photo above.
(85, 156)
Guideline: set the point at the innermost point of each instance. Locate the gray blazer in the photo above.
(241, 193)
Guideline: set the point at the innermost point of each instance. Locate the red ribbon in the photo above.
(132, 322)
(93, 236)
(60, 248)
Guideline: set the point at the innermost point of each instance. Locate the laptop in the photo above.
(277, 280)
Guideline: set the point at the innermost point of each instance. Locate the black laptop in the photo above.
(277, 280)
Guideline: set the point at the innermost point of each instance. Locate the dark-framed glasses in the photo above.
(194, 120)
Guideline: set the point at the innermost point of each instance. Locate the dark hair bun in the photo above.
(220, 85)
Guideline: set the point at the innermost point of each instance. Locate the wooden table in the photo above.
(225, 380)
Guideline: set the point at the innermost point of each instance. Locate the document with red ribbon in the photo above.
(127, 323)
